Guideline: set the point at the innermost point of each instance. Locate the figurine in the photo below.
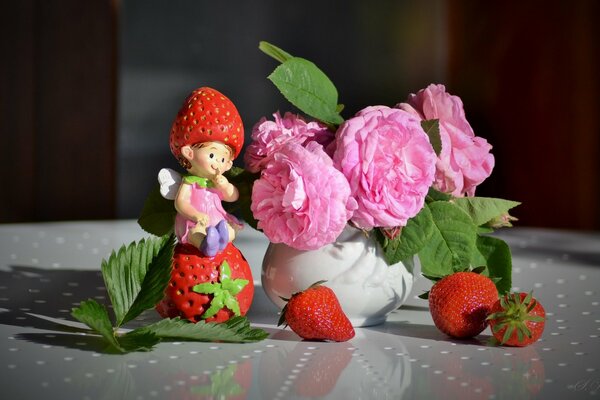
(206, 136)
(210, 278)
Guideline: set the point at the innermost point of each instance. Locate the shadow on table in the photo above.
(430, 332)
(52, 294)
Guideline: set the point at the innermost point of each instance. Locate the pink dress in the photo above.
(207, 200)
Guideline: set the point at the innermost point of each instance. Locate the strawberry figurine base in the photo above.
(191, 269)
(354, 268)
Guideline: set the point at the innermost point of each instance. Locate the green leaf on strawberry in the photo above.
(223, 292)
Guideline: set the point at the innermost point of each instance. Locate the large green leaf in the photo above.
(234, 330)
(158, 214)
(304, 85)
(495, 254)
(414, 236)
(452, 242)
(144, 265)
(484, 209)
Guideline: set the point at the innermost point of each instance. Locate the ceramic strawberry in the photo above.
(211, 289)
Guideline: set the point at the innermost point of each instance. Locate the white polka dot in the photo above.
(582, 277)
(560, 281)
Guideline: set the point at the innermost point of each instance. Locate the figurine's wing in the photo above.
(169, 183)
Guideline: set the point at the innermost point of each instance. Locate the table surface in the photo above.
(46, 269)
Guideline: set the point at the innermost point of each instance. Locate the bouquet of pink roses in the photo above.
(406, 174)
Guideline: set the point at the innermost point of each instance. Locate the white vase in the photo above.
(353, 266)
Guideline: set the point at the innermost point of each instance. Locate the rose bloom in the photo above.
(269, 136)
(465, 160)
(301, 199)
(390, 164)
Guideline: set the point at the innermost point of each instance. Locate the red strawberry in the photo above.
(316, 314)
(207, 288)
(459, 303)
(517, 319)
(206, 115)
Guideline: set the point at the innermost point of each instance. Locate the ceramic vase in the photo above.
(353, 266)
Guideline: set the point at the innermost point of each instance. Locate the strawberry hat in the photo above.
(207, 115)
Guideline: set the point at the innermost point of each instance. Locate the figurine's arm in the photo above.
(183, 205)
(229, 192)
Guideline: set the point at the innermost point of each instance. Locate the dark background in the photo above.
(89, 89)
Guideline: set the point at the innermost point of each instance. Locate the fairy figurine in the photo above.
(206, 136)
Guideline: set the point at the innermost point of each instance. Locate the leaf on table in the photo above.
(95, 315)
(234, 330)
(304, 85)
(136, 276)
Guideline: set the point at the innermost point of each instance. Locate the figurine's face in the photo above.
(208, 159)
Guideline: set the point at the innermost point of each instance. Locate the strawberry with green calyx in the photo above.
(211, 289)
(316, 314)
(517, 319)
(460, 303)
(223, 291)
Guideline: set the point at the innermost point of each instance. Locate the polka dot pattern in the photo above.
(47, 269)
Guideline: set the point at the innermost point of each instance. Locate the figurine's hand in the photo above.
(220, 181)
(201, 220)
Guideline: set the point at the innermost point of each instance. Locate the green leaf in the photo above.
(304, 85)
(138, 341)
(452, 242)
(432, 129)
(274, 51)
(223, 292)
(435, 195)
(414, 236)
(137, 275)
(495, 254)
(484, 209)
(234, 330)
(95, 315)
(158, 214)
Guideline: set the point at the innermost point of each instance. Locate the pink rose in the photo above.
(269, 136)
(301, 199)
(465, 160)
(390, 164)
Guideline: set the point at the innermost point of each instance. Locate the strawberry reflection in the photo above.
(501, 372)
(372, 365)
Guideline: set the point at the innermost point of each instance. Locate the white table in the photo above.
(46, 269)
